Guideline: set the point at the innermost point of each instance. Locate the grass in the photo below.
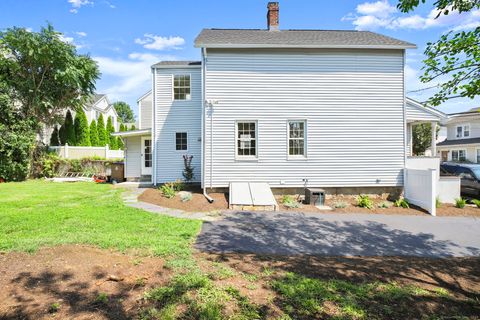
(305, 298)
(39, 213)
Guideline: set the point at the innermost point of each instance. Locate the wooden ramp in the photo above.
(253, 196)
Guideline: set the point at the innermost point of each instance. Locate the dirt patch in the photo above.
(81, 281)
(198, 203)
(351, 202)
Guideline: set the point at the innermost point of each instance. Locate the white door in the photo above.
(146, 156)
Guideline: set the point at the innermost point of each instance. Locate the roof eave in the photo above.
(155, 66)
(133, 133)
(259, 46)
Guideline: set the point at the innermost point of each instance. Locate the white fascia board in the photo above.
(320, 46)
(134, 133)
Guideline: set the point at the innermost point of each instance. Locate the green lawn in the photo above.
(40, 213)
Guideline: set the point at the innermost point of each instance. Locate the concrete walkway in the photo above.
(130, 197)
(341, 235)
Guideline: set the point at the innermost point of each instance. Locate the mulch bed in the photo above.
(198, 203)
(75, 277)
(445, 210)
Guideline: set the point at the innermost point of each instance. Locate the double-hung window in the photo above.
(181, 141)
(463, 131)
(296, 138)
(459, 155)
(246, 139)
(181, 87)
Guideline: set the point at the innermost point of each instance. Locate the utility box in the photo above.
(315, 196)
(117, 172)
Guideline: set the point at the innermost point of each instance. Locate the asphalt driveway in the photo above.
(341, 235)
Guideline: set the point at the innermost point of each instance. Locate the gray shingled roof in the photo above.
(257, 38)
(177, 63)
(458, 142)
(94, 98)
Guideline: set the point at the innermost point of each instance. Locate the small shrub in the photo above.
(54, 307)
(185, 196)
(384, 205)
(438, 204)
(188, 169)
(289, 201)
(402, 203)
(102, 298)
(167, 191)
(364, 201)
(460, 203)
(176, 185)
(340, 204)
(476, 202)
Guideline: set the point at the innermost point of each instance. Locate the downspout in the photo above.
(404, 127)
(204, 68)
(154, 143)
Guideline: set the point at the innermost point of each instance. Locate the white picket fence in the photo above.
(421, 188)
(69, 152)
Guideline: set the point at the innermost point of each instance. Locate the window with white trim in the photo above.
(463, 131)
(246, 140)
(459, 155)
(296, 138)
(181, 87)
(181, 141)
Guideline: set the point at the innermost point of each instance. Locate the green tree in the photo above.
(62, 134)
(455, 56)
(70, 129)
(110, 129)
(102, 135)
(120, 144)
(93, 134)
(54, 138)
(422, 137)
(124, 112)
(122, 127)
(17, 139)
(132, 128)
(45, 74)
(82, 130)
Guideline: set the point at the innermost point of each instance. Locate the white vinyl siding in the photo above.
(176, 116)
(145, 105)
(353, 102)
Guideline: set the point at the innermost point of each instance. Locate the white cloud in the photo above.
(66, 39)
(381, 14)
(77, 4)
(154, 42)
(81, 34)
(128, 78)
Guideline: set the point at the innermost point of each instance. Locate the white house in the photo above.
(97, 104)
(286, 107)
(463, 137)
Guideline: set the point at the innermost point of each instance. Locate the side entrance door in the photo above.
(146, 156)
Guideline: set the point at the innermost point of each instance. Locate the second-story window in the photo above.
(181, 87)
(463, 131)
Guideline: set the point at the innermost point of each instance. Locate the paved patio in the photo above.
(341, 235)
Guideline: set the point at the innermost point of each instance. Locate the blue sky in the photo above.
(125, 37)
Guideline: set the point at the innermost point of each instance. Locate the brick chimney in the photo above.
(272, 16)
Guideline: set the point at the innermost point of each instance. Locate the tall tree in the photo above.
(124, 112)
(70, 129)
(54, 141)
(93, 134)
(82, 130)
(62, 134)
(102, 135)
(122, 127)
(455, 56)
(46, 75)
(110, 129)
(422, 138)
(132, 128)
(120, 144)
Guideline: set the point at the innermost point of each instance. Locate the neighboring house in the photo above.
(97, 104)
(287, 107)
(463, 137)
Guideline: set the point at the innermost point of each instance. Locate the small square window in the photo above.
(181, 141)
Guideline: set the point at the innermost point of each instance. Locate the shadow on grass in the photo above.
(73, 298)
